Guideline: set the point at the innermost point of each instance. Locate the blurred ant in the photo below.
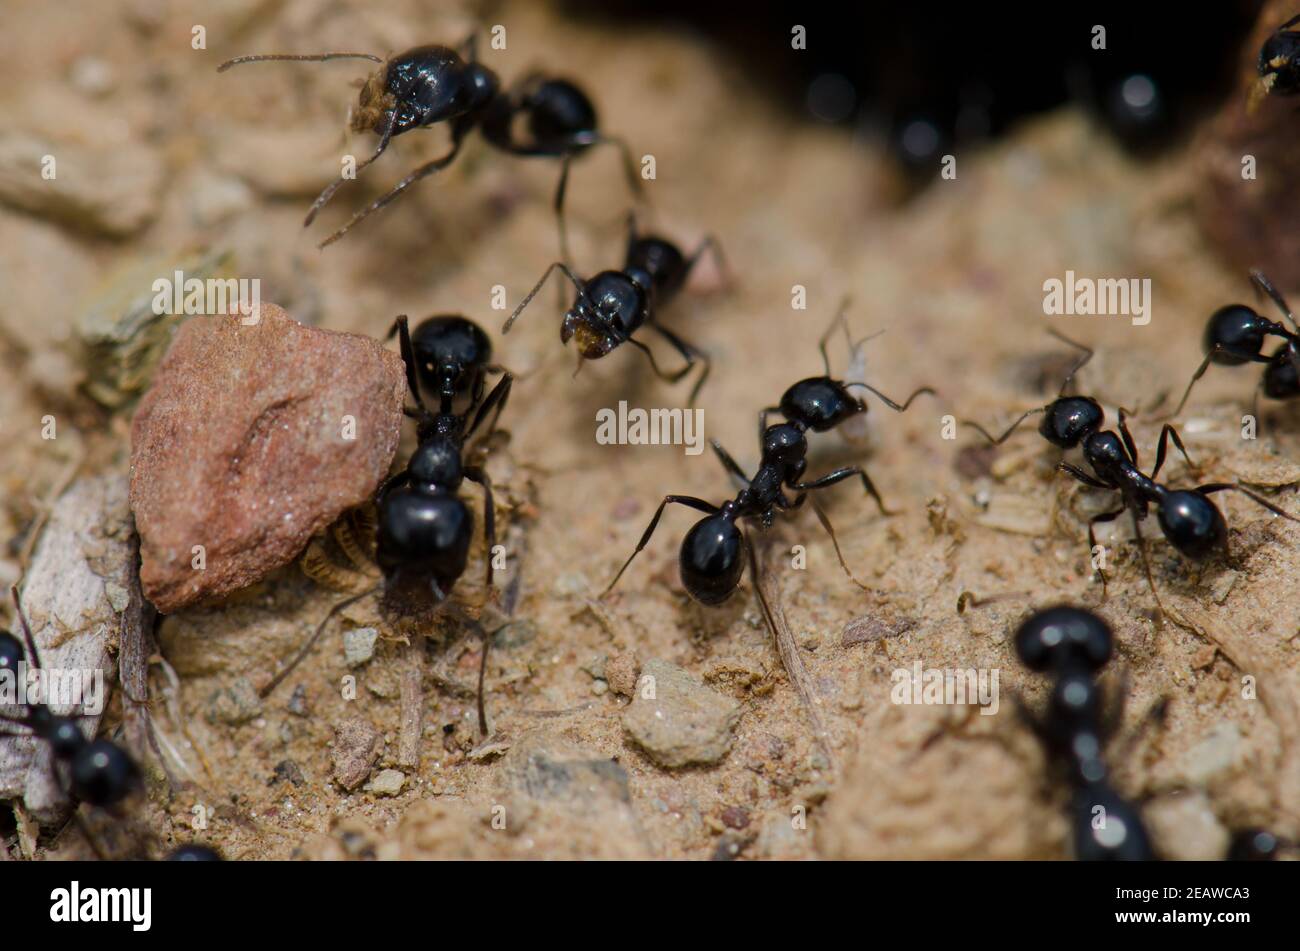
(194, 853)
(711, 559)
(424, 527)
(613, 305)
(1235, 335)
(426, 85)
(1073, 645)
(1279, 65)
(98, 772)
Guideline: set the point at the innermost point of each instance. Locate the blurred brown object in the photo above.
(1251, 221)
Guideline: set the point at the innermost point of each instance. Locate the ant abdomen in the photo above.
(712, 559)
(423, 536)
(1235, 334)
(1192, 523)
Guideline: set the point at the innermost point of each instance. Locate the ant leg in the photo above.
(582, 291)
(1226, 486)
(469, 47)
(691, 354)
(402, 328)
(826, 524)
(728, 463)
(839, 475)
(762, 420)
(323, 198)
(428, 168)
(311, 641)
(1129, 444)
(1092, 539)
(1083, 476)
(710, 244)
(1262, 283)
(699, 505)
(1146, 565)
(479, 476)
(1010, 429)
(1200, 372)
(890, 403)
(840, 319)
(453, 609)
(768, 615)
(497, 397)
(1083, 361)
(1167, 432)
(27, 631)
(561, 189)
(306, 58)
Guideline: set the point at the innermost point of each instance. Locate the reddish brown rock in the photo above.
(240, 447)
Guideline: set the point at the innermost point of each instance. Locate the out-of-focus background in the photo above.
(818, 167)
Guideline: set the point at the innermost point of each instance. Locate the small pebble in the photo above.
(359, 645)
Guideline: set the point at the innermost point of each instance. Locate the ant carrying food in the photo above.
(426, 85)
(98, 772)
(1235, 334)
(424, 527)
(1073, 645)
(712, 555)
(614, 305)
(1279, 64)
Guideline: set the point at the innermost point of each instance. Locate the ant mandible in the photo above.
(98, 772)
(426, 85)
(712, 556)
(613, 305)
(424, 528)
(1073, 645)
(1235, 334)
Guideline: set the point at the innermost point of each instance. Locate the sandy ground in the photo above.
(954, 277)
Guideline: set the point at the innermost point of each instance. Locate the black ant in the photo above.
(613, 305)
(424, 527)
(98, 772)
(711, 559)
(194, 853)
(426, 85)
(1279, 64)
(1235, 335)
(1073, 645)
(1187, 517)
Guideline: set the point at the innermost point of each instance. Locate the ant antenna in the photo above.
(1087, 355)
(27, 631)
(305, 57)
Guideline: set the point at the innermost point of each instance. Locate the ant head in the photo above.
(1238, 332)
(1068, 420)
(1281, 381)
(424, 85)
(1121, 836)
(1279, 63)
(820, 403)
(1192, 523)
(11, 651)
(102, 773)
(712, 558)
(1064, 638)
(436, 464)
(559, 110)
(785, 444)
(608, 310)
